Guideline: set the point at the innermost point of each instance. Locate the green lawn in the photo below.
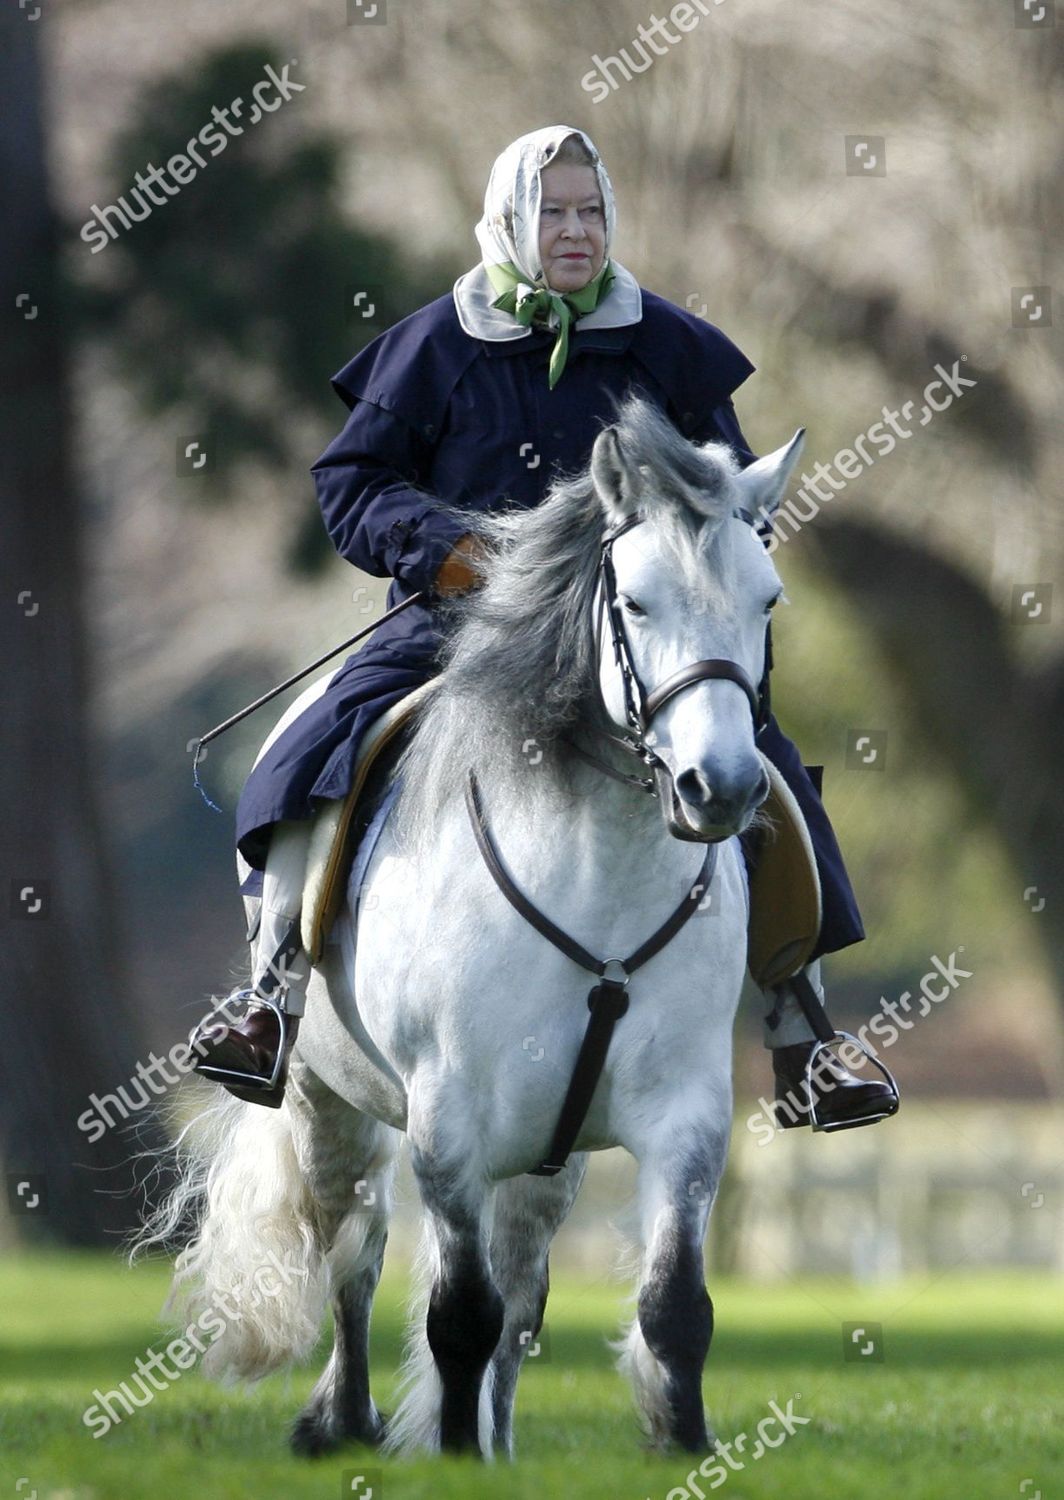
(968, 1401)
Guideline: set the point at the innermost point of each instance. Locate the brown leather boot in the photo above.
(243, 1056)
(842, 1101)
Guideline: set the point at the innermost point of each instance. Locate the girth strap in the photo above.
(607, 1001)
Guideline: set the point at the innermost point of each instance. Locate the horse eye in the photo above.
(632, 608)
(771, 605)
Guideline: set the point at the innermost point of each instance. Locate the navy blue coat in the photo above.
(438, 415)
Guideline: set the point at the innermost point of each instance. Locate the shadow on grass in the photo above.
(734, 1348)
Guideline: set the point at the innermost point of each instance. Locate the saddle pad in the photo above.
(785, 900)
(329, 854)
(368, 842)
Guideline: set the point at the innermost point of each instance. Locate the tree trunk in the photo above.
(67, 1030)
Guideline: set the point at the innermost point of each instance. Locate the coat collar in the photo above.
(622, 307)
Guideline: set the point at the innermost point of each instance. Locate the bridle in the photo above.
(641, 706)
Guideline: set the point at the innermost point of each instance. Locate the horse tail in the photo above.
(251, 1283)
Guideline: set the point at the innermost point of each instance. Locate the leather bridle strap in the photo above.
(640, 783)
(554, 934)
(641, 706)
(607, 1001)
(710, 667)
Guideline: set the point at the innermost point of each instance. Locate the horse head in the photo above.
(684, 596)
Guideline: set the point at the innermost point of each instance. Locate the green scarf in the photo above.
(537, 303)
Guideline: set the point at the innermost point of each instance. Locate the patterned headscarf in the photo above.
(509, 229)
(509, 238)
(505, 293)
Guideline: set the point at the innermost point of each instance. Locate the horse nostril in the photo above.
(725, 797)
(692, 786)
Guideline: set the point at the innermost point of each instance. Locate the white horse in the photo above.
(443, 1014)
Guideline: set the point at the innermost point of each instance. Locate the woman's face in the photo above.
(572, 226)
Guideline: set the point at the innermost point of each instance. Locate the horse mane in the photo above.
(518, 663)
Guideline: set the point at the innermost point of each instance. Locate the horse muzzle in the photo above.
(701, 813)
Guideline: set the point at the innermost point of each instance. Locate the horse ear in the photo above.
(763, 482)
(610, 476)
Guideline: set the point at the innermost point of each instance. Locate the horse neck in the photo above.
(566, 790)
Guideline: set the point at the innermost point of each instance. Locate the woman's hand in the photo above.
(456, 573)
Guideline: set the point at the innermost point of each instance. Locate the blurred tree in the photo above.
(994, 718)
(226, 305)
(67, 1024)
(222, 308)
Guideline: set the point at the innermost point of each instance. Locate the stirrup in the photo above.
(232, 1079)
(890, 1107)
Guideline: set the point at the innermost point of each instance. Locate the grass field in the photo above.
(967, 1402)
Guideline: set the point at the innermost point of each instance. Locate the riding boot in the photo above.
(812, 1085)
(249, 1055)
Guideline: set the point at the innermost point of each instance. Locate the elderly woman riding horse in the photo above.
(480, 399)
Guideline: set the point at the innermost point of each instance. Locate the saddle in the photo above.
(332, 842)
(785, 903)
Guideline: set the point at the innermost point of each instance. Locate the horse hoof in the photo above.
(312, 1436)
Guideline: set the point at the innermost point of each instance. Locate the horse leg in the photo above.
(348, 1162)
(340, 1408)
(668, 1341)
(446, 1403)
(528, 1213)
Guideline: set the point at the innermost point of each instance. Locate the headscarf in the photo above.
(502, 297)
(514, 193)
